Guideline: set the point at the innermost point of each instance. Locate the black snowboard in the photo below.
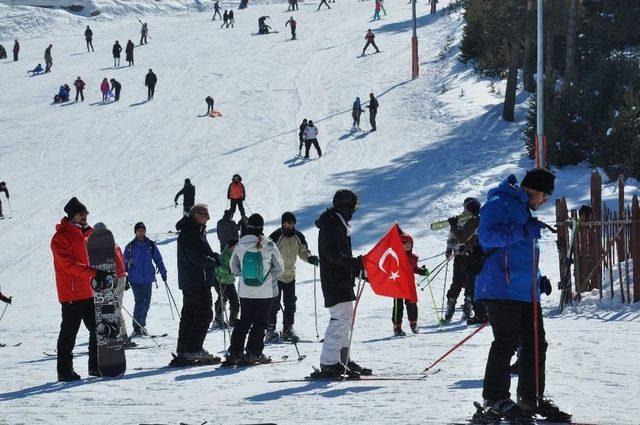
(111, 358)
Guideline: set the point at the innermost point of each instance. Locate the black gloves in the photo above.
(314, 260)
(448, 253)
(453, 221)
(532, 228)
(422, 271)
(127, 285)
(545, 285)
(357, 265)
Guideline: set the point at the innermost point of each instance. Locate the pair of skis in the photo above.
(356, 377)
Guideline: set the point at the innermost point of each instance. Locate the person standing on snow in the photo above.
(104, 88)
(216, 10)
(257, 261)
(325, 3)
(293, 24)
(291, 244)
(129, 52)
(232, 19)
(48, 59)
(376, 13)
(16, 50)
(356, 111)
(236, 193)
(370, 37)
(3, 188)
(142, 258)
(311, 138)
(209, 101)
(144, 32)
(117, 48)
(79, 85)
(226, 289)
(225, 20)
(88, 37)
(373, 110)
(338, 271)
(196, 275)
(188, 193)
(115, 88)
(150, 82)
(399, 303)
(226, 229)
(509, 237)
(301, 135)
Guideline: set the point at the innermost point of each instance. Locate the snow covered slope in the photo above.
(126, 160)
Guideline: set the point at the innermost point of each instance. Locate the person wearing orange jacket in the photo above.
(236, 194)
(399, 303)
(73, 282)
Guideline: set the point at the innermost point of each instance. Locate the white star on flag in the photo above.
(394, 276)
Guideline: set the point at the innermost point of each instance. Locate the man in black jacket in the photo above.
(150, 81)
(116, 87)
(373, 111)
(301, 135)
(88, 36)
(196, 276)
(188, 193)
(226, 229)
(3, 188)
(338, 270)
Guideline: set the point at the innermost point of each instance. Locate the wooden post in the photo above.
(635, 247)
(596, 234)
(563, 252)
(621, 250)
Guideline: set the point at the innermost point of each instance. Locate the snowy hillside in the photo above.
(440, 139)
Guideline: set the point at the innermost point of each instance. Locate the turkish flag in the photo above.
(388, 268)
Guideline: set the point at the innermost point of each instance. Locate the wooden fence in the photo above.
(598, 242)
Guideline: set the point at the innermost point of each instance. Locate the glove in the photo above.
(453, 221)
(545, 285)
(164, 278)
(313, 259)
(127, 285)
(448, 253)
(422, 271)
(532, 228)
(357, 265)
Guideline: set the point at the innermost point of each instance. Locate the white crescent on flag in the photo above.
(388, 252)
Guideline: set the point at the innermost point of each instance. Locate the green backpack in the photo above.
(253, 269)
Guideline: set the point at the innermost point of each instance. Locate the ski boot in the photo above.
(256, 359)
(504, 409)
(232, 359)
(68, 376)
(414, 327)
(545, 408)
(475, 320)
(202, 356)
(397, 331)
(95, 372)
(451, 308)
(334, 371)
(290, 335)
(272, 337)
(355, 367)
(129, 344)
(466, 308)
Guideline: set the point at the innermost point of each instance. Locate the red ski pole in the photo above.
(455, 347)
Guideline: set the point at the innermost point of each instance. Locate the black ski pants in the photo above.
(512, 324)
(217, 12)
(143, 39)
(150, 91)
(80, 93)
(72, 314)
(372, 120)
(286, 293)
(209, 108)
(226, 293)
(325, 3)
(254, 313)
(459, 280)
(301, 139)
(372, 43)
(90, 45)
(195, 318)
(293, 33)
(15, 56)
(398, 311)
(307, 146)
(356, 118)
(237, 203)
(117, 94)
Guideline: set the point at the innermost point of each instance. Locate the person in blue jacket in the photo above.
(509, 235)
(139, 257)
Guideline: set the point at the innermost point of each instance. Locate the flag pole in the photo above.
(359, 290)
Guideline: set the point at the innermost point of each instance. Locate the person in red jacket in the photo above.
(370, 37)
(236, 194)
(73, 281)
(412, 308)
(293, 24)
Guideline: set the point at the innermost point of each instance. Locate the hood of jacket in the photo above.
(188, 223)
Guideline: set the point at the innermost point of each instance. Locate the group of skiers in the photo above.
(16, 51)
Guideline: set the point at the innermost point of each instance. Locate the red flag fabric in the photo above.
(388, 268)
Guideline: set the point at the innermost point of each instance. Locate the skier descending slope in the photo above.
(338, 271)
(505, 286)
(188, 193)
(370, 37)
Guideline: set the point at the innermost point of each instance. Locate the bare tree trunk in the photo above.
(570, 60)
(433, 6)
(528, 63)
(508, 111)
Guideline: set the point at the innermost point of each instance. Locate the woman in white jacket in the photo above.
(257, 261)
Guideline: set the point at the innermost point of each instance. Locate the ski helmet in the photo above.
(346, 203)
(472, 205)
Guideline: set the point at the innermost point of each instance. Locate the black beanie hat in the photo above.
(540, 179)
(288, 216)
(74, 207)
(139, 225)
(256, 221)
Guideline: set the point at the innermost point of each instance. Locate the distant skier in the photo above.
(376, 13)
(188, 193)
(236, 193)
(88, 36)
(129, 52)
(209, 101)
(370, 37)
(117, 48)
(16, 50)
(144, 32)
(150, 81)
(398, 303)
(232, 19)
(325, 3)
(294, 5)
(115, 88)
(36, 71)
(373, 110)
(226, 229)
(79, 85)
(3, 188)
(290, 6)
(293, 24)
(104, 88)
(225, 20)
(216, 10)
(243, 4)
(48, 59)
(263, 28)
(356, 111)
(63, 94)
(301, 135)
(311, 138)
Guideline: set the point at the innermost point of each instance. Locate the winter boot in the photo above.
(397, 331)
(290, 335)
(329, 371)
(506, 409)
(475, 320)
(451, 308)
(202, 356)
(95, 372)
(68, 376)
(257, 358)
(414, 327)
(545, 408)
(355, 367)
(466, 308)
(271, 336)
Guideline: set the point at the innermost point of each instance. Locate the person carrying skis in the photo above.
(129, 52)
(225, 20)
(16, 50)
(325, 3)
(117, 48)
(3, 188)
(216, 10)
(373, 110)
(338, 271)
(150, 82)
(104, 88)
(301, 135)
(509, 280)
(79, 85)
(226, 229)
(257, 262)
(209, 101)
(370, 38)
(293, 24)
(236, 193)
(115, 88)
(144, 32)
(412, 308)
(88, 37)
(48, 59)
(226, 289)
(356, 111)
(232, 20)
(291, 244)
(376, 13)
(188, 193)
(196, 275)
(311, 138)
(142, 260)
(73, 283)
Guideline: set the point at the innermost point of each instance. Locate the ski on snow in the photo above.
(391, 377)
(484, 416)
(11, 345)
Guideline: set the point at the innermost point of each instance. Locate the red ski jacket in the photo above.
(71, 262)
(236, 191)
(120, 269)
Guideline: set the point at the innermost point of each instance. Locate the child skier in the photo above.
(236, 195)
(227, 288)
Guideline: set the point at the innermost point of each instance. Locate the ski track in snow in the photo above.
(125, 160)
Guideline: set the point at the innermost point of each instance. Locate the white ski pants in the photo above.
(336, 336)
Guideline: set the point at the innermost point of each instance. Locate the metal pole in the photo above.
(414, 44)
(540, 89)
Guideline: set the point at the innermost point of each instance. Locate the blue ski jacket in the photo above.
(510, 256)
(139, 257)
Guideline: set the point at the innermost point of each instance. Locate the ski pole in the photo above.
(432, 257)
(536, 343)
(455, 347)
(10, 209)
(225, 317)
(172, 299)
(173, 318)
(444, 287)
(139, 325)
(435, 307)
(248, 207)
(353, 322)
(295, 343)
(3, 311)
(436, 271)
(315, 303)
